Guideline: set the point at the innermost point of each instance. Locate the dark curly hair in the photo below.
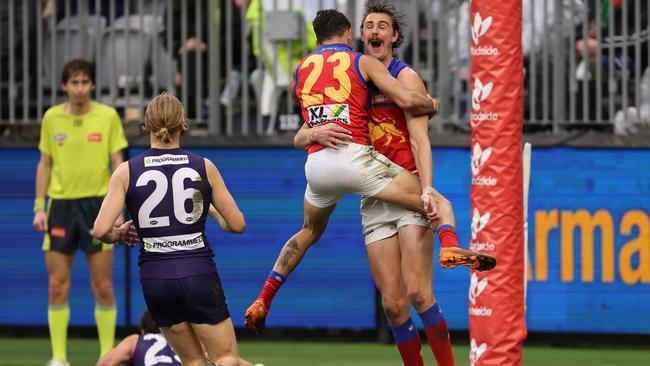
(397, 17)
(329, 23)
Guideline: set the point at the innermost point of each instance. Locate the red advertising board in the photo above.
(496, 297)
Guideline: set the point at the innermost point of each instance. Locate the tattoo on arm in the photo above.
(290, 248)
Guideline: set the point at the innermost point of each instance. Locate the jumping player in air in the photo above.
(399, 242)
(330, 84)
(78, 140)
(168, 192)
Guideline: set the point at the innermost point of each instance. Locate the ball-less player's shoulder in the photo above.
(410, 79)
(408, 74)
(210, 168)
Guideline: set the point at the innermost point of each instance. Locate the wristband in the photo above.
(39, 204)
(426, 191)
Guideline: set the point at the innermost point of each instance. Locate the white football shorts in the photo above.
(353, 168)
(381, 220)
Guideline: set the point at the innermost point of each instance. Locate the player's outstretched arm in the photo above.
(111, 209)
(121, 354)
(330, 135)
(409, 100)
(223, 202)
(418, 127)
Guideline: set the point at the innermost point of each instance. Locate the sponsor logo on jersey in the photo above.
(326, 113)
(379, 98)
(166, 244)
(57, 232)
(166, 159)
(385, 128)
(60, 137)
(95, 137)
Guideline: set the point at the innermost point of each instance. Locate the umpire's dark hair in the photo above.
(78, 66)
(147, 324)
(329, 23)
(397, 17)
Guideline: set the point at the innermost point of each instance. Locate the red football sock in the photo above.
(447, 236)
(438, 337)
(408, 343)
(411, 352)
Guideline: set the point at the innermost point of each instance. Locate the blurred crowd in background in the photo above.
(586, 62)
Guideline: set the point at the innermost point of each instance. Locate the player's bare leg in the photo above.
(185, 342)
(101, 275)
(403, 190)
(416, 248)
(219, 342)
(59, 266)
(290, 256)
(386, 263)
(384, 259)
(451, 254)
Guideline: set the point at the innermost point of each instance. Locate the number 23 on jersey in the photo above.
(339, 62)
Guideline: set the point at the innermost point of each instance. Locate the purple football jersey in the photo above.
(152, 350)
(168, 197)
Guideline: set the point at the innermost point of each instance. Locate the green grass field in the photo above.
(83, 352)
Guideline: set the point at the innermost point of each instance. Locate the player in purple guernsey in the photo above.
(148, 348)
(168, 192)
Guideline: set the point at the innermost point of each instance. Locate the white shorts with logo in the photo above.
(381, 220)
(354, 168)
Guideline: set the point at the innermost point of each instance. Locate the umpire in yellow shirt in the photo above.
(78, 139)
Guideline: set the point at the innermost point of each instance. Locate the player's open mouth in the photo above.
(376, 43)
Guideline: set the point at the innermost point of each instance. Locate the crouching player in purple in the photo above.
(168, 192)
(142, 349)
(149, 348)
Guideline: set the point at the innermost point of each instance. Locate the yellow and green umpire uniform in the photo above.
(80, 147)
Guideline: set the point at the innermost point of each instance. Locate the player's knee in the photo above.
(58, 288)
(104, 291)
(418, 297)
(228, 361)
(395, 308)
(313, 232)
(443, 203)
